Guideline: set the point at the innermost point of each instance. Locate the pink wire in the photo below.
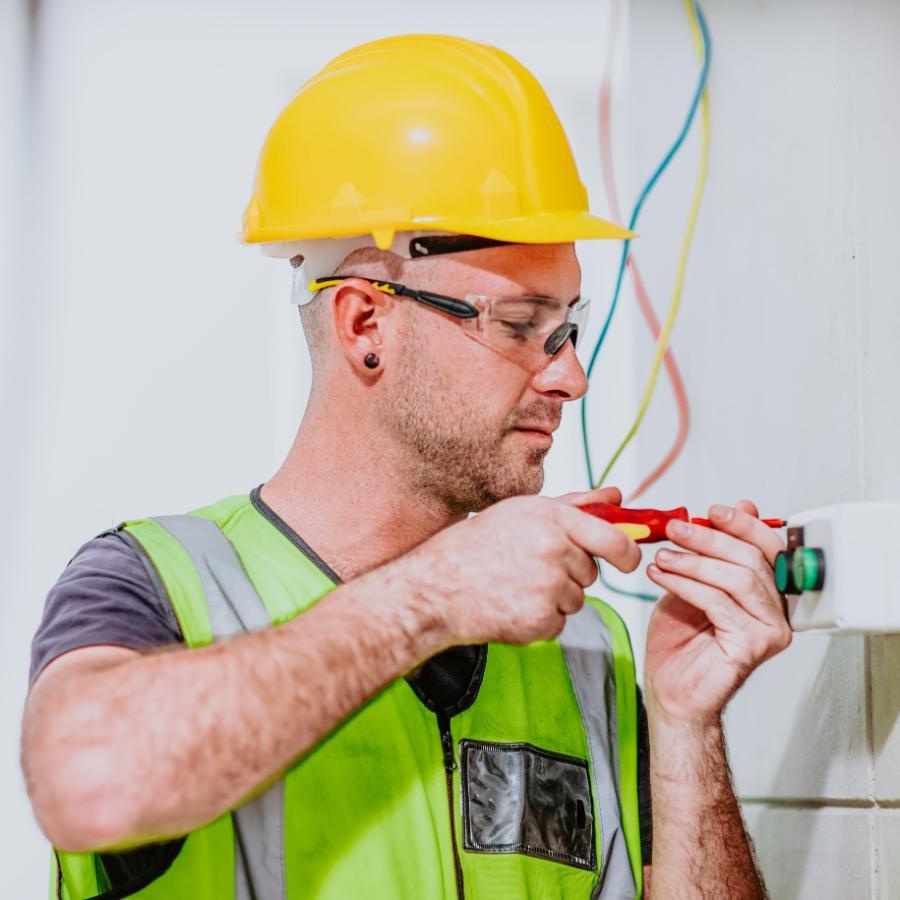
(684, 413)
(640, 290)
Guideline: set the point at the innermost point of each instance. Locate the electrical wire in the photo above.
(681, 401)
(698, 23)
(701, 44)
(635, 595)
(643, 298)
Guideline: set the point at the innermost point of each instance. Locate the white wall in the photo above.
(153, 363)
(787, 344)
(19, 837)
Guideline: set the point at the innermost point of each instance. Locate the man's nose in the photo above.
(562, 376)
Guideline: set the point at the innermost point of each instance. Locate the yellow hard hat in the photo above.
(420, 132)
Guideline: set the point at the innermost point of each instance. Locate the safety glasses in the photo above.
(529, 331)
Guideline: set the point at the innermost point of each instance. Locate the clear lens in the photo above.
(527, 330)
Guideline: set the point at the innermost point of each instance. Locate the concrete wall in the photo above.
(787, 341)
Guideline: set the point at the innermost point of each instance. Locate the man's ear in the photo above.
(359, 311)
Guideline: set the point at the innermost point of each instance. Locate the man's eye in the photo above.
(522, 330)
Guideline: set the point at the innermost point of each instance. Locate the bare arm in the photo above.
(700, 847)
(722, 617)
(121, 748)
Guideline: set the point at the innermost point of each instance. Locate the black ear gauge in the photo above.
(371, 361)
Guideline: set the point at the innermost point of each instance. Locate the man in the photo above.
(380, 696)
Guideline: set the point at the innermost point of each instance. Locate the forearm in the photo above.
(700, 846)
(162, 743)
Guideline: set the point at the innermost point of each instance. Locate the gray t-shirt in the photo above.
(108, 594)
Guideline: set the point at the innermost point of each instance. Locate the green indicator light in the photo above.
(808, 569)
(782, 572)
(797, 568)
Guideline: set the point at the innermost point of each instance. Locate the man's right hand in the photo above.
(514, 572)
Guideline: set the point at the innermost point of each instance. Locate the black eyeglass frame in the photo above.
(555, 341)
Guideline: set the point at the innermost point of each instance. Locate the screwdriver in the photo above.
(648, 526)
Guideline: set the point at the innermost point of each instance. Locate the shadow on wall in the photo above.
(803, 840)
(884, 653)
(815, 747)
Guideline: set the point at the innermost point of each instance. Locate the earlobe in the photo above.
(358, 319)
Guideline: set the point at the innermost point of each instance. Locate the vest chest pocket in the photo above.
(517, 798)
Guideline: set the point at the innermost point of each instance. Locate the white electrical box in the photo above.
(841, 569)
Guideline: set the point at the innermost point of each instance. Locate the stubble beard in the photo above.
(451, 458)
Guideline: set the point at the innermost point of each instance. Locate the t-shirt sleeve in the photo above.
(109, 593)
(644, 808)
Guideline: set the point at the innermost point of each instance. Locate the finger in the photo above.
(758, 598)
(600, 495)
(742, 638)
(743, 522)
(598, 537)
(571, 600)
(582, 568)
(737, 537)
(721, 610)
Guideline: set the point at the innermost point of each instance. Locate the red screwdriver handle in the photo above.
(655, 519)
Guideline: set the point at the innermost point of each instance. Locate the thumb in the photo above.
(599, 495)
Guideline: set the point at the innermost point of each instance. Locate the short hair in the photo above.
(315, 316)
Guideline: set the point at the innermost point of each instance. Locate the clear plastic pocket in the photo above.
(518, 798)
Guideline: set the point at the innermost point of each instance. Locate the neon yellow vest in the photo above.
(530, 792)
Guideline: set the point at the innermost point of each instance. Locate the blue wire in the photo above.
(648, 187)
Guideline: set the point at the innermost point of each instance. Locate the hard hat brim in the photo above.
(543, 228)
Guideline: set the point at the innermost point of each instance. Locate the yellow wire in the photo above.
(663, 341)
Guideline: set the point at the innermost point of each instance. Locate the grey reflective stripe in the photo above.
(235, 607)
(587, 647)
(259, 835)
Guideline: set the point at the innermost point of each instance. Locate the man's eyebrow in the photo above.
(552, 302)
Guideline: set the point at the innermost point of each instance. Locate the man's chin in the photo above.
(528, 480)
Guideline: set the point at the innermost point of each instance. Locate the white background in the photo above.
(151, 364)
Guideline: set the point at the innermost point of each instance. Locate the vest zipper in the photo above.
(449, 765)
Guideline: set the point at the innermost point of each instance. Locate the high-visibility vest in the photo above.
(529, 792)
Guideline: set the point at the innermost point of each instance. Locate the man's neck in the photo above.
(353, 502)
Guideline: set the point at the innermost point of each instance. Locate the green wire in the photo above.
(635, 595)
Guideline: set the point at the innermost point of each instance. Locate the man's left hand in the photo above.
(721, 617)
